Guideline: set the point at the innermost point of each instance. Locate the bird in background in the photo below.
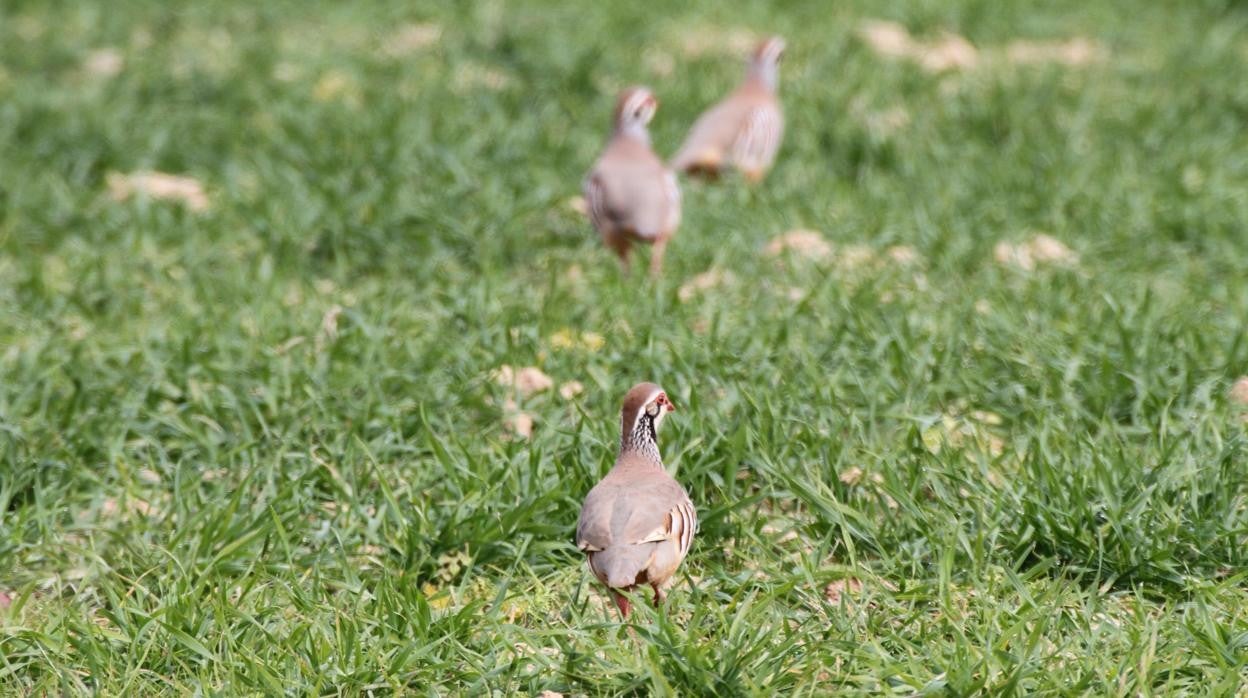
(742, 132)
(631, 195)
(637, 523)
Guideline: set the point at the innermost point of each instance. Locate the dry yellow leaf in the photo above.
(577, 205)
(336, 85)
(807, 243)
(1048, 249)
(709, 40)
(1076, 51)
(111, 509)
(851, 476)
(160, 186)
(520, 424)
(1239, 391)
(705, 281)
(471, 76)
(886, 38)
(904, 255)
(855, 256)
(527, 380)
(892, 40)
(329, 327)
(949, 52)
(1040, 249)
(104, 62)
(411, 38)
(887, 121)
(436, 599)
(659, 63)
(841, 588)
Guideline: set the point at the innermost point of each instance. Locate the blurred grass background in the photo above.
(260, 447)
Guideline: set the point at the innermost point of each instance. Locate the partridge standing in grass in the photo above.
(630, 193)
(637, 523)
(743, 131)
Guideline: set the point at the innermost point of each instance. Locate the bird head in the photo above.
(765, 61)
(635, 108)
(645, 406)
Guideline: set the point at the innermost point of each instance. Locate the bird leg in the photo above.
(656, 256)
(620, 244)
(659, 594)
(621, 601)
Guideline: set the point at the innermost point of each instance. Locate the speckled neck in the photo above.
(642, 441)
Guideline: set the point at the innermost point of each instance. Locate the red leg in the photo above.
(656, 256)
(620, 244)
(659, 594)
(622, 602)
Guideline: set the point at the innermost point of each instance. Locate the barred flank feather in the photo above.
(596, 201)
(684, 525)
(759, 139)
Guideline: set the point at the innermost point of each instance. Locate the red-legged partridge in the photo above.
(637, 523)
(630, 193)
(744, 130)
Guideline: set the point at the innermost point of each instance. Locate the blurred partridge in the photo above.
(631, 195)
(743, 131)
(637, 523)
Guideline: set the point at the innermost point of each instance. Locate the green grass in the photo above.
(1021, 482)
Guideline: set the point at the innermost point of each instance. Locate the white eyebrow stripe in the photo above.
(649, 399)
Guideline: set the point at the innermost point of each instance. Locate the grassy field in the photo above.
(253, 440)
